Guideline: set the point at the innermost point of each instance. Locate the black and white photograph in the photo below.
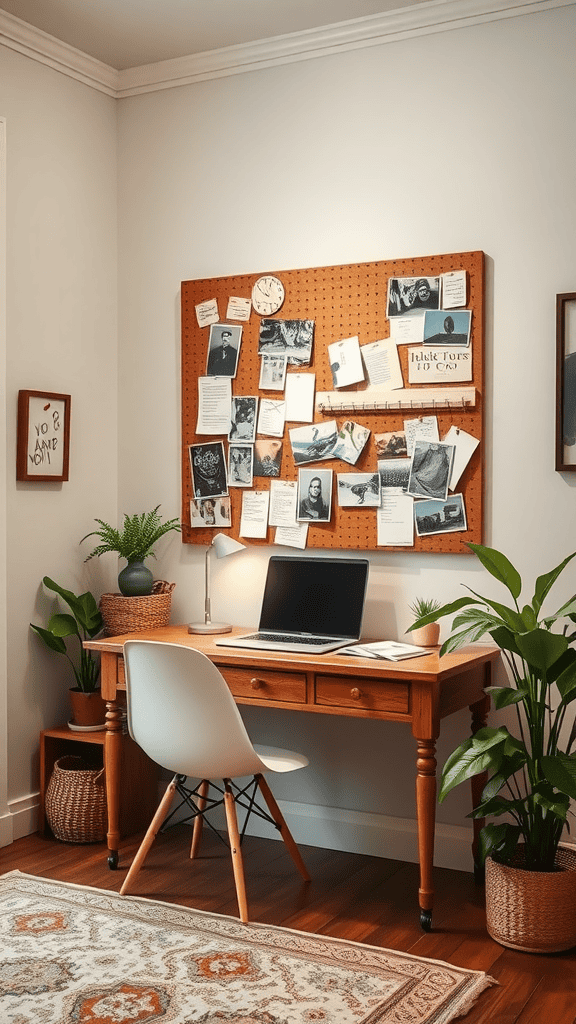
(223, 350)
(210, 512)
(447, 329)
(394, 475)
(292, 338)
(243, 418)
(267, 457)
(391, 445)
(440, 516)
(350, 442)
(208, 468)
(358, 490)
(240, 462)
(314, 495)
(315, 442)
(566, 382)
(272, 372)
(431, 468)
(408, 295)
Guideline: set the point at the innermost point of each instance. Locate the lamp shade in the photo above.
(224, 545)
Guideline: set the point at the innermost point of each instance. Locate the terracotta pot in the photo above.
(87, 708)
(534, 911)
(427, 636)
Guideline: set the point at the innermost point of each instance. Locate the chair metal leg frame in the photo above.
(199, 819)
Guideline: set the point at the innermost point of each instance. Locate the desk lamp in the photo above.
(223, 546)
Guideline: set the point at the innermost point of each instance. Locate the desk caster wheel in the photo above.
(426, 920)
(113, 860)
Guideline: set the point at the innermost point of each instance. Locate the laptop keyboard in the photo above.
(283, 638)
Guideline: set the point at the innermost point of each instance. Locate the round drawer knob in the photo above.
(256, 684)
(355, 693)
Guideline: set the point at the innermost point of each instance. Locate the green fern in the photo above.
(136, 539)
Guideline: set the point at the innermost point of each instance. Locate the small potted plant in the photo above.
(134, 542)
(84, 623)
(530, 874)
(426, 636)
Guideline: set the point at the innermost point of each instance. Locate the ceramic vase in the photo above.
(426, 636)
(135, 580)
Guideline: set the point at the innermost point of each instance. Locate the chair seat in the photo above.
(276, 759)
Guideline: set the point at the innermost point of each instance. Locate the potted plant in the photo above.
(134, 542)
(531, 775)
(426, 636)
(84, 623)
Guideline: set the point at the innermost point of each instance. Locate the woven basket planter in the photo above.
(76, 801)
(135, 614)
(534, 911)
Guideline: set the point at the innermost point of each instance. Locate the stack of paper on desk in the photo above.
(388, 650)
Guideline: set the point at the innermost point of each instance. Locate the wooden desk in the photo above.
(419, 691)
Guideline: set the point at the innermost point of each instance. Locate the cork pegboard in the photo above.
(343, 302)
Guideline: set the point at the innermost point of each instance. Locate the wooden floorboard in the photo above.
(360, 898)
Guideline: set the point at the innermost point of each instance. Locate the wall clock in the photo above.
(267, 295)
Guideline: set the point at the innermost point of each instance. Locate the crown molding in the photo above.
(374, 30)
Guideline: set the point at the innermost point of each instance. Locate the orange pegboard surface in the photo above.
(343, 302)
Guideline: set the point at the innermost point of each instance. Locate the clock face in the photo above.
(267, 295)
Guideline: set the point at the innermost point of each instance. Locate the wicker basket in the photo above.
(534, 911)
(76, 801)
(134, 614)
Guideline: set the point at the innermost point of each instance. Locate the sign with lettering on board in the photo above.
(43, 444)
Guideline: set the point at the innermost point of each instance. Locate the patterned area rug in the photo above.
(75, 955)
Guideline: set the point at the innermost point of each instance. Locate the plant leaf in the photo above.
(560, 771)
(63, 625)
(55, 643)
(503, 696)
(541, 649)
(500, 567)
(498, 841)
(545, 582)
(446, 609)
(478, 752)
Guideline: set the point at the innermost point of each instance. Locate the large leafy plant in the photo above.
(83, 624)
(532, 776)
(136, 540)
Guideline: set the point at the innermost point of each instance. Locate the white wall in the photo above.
(61, 336)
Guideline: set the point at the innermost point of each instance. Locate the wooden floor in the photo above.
(366, 899)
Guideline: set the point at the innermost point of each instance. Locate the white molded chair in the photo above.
(182, 714)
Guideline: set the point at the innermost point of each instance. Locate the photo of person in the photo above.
(314, 495)
(210, 512)
(292, 338)
(440, 516)
(313, 443)
(208, 468)
(272, 372)
(223, 350)
(357, 489)
(441, 328)
(431, 469)
(408, 295)
(240, 457)
(391, 445)
(267, 458)
(243, 419)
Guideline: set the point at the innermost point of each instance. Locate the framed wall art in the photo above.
(566, 382)
(43, 436)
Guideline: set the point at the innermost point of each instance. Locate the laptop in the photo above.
(312, 605)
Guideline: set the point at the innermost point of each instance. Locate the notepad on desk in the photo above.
(385, 650)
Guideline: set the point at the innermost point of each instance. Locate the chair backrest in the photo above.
(182, 714)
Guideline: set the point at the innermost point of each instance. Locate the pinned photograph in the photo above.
(440, 516)
(267, 458)
(314, 495)
(431, 469)
(345, 362)
(314, 443)
(272, 372)
(358, 489)
(292, 338)
(447, 329)
(243, 418)
(240, 460)
(350, 442)
(208, 468)
(223, 350)
(391, 445)
(210, 512)
(394, 475)
(408, 295)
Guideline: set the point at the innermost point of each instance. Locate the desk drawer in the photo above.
(370, 694)
(266, 685)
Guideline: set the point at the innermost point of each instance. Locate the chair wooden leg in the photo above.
(199, 820)
(285, 832)
(153, 830)
(237, 862)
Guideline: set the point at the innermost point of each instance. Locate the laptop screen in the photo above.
(323, 596)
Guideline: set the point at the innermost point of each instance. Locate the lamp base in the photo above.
(209, 627)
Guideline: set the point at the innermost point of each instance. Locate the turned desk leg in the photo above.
(112, 762)
(479, 712)
(426, 815)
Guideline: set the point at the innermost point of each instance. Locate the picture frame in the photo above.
(43, 437)
(566, 382)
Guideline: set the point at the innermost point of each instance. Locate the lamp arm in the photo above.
(207, 612)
